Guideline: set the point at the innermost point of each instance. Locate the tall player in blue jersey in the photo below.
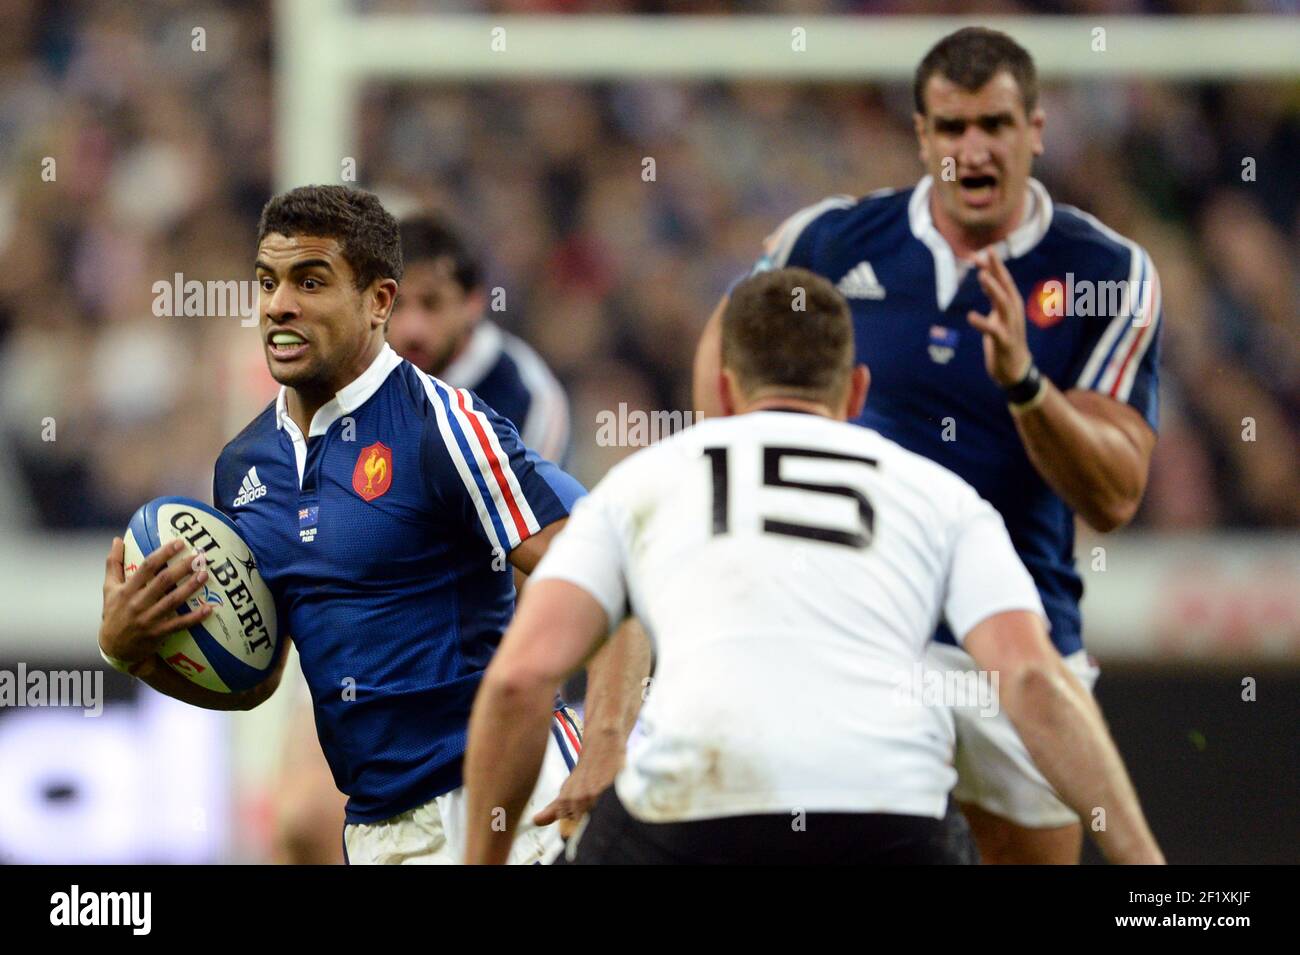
(386, 510)
(1048, 410)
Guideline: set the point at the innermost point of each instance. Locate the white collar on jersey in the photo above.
(349, 399)
(480, 354)
(948, 272)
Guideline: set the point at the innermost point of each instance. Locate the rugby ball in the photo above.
(235, 647)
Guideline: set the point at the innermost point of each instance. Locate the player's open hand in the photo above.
(595, 772)
(1006, 351)
(140, 612)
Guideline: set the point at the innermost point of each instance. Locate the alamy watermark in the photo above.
(1085, 298)
(973, 689)
(637, 428)
(130, 909)
(182, 298)
(83, 689)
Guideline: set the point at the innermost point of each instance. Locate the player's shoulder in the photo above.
(412, 386)
(251, 447)
(441, 412)
(878, 217)
(526, 363)
(800, 236)
(544, 422)
(252, 437)
(939, 502)
(431, 397)
(654, 472)
(920, 473)
(521, 369)
(880, 204)
(664, 457)
(1086, 240)
(458, 428)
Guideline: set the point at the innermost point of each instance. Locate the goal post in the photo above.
(326, 50)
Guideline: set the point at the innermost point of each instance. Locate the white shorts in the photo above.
(994, 770)
(434, 834)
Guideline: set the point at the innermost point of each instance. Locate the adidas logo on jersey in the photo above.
(861, 282)
(250, 490)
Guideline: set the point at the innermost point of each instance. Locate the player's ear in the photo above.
(859, 383)
(918, 123)
(383, 293)
(730, 396)
(1036, 120)
(476, 301)
(708, 361)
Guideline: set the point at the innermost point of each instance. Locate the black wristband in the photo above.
(1026, 389)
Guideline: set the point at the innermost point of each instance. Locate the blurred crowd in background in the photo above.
(164, 157)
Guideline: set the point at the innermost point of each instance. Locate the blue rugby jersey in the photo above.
(512, 378)
(384, 537)
(929, 389)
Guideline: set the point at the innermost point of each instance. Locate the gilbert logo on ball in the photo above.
(235, 647)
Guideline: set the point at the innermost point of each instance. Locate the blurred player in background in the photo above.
(780, 554)
(393, 582)
(438, 324)
(1046, 418)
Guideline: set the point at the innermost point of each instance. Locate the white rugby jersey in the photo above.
(790, 569)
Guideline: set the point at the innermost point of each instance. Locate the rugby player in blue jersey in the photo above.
(439, 324)
(1010, 339)
(395, 590)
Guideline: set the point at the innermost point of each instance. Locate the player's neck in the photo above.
(779, 403)
(303, 402)
(966, 242)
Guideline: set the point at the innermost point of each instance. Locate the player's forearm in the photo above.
(1063, 730)
(507, 740)
(168, 682)
(1088, 461)
(615, 677)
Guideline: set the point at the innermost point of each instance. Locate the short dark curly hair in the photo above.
(970, 58)
(366, 231)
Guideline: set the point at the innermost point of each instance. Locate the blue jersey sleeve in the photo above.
(1121, 353)
(222, 492)
(477, 466)
(792, 244)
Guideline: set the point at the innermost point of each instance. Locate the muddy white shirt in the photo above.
(791, 570)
